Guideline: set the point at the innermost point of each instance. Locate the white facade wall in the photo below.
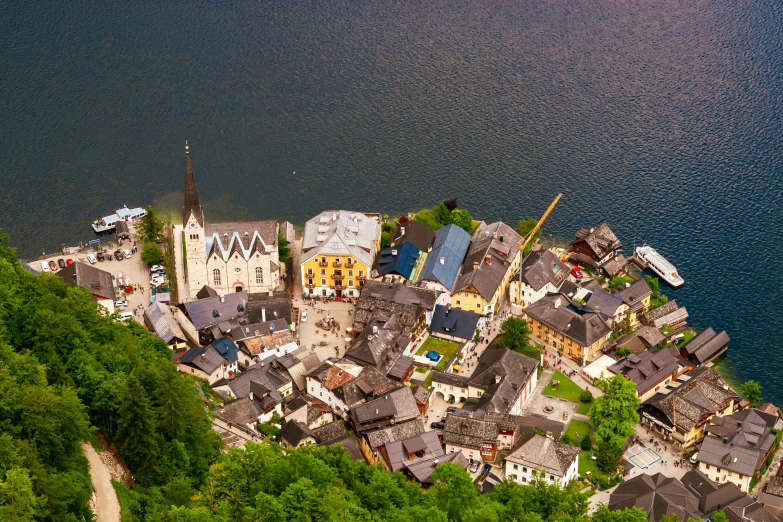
(722, 475)
(459, 394)
(196, 255)
(317, 390)
(522, 472)
(468, 453)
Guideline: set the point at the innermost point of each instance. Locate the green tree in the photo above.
(586, 443)
(151, 254)
(525, 226)
(283, 248)
(462, 218)
(608, 457)
(634, 514)
(622, 352)
(515, 335)
(654, 285)
(18, 502)
(150, 228)
(614, 413)
(136, 435)
(452, 491)
(719, 516)
(618, 281)
(385, 239)
(752, 391)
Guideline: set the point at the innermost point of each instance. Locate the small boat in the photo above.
(659, 265)
(129, 215)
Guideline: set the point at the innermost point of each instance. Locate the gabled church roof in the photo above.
(192, 203)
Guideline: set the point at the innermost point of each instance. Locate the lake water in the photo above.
(662, 118)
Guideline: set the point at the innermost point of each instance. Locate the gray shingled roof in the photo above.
(657, 313)
(707, 345)
(569, 319)
(328, 432)
(96, 281)
(604, 303)
(514, 370)
(241, 411)
(541, 267)
(492, 251)
(657, 496)
(422, 469)
(398, 405)
(213, 310)
(294, 432)
(163, 322)
(680, 314)
(543, 453)
(716, 452)
(243, 238)
(418, 234)
(378, 438)
(600, 239)
(399, 451)
(634, 294)
(380, 344)
(343, 233)
(646, 369)
(380, 299)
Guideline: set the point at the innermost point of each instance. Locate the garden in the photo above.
(445, 348)
(570, 391)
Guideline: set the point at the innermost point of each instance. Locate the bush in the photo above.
(586, 397)
(608, 457)
(586, 444)
(151, 254)
(565, 439)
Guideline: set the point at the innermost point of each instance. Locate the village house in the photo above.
(541, 273)
(544, 458)
(212, 363)
(99, 283)
(395, 407)
(642, 339)
(568, 327)
(493, 258)
(297, 364)
(159, 318)
(503, 382)
(611, 307)
(229, 257)
(454, 324)
(443, 262)
(596, 246)
(269, 307)
(735, 448)
(668, 314)
(371, 442)
(404, 258)
(260, 341)
(381, 345)
(479, 435)
(414, 306)
(422, 398)
(343, 384)
(706, 346)
(309, 411)
(295, 434)
(683, 408)
(338, 251)
(215, 316)
(650, 371)
(418, 456)
(245, 412)
(636, 296)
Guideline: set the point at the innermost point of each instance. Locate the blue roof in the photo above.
(454, 322)
(226, 347)
(402, 263)
(451, 244)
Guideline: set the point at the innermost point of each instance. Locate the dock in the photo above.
(638, 262)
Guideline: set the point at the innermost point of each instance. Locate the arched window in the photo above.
(259, 275)
(216, 277)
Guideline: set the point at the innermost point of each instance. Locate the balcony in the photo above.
(337, 277)
(323, 262)
(310, 275)
(310, 285)
(338, 286)
(349, 265)
(360, 277)
(337, 263)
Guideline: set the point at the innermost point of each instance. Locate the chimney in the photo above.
(429, 248)
(374, 329)
(231, 376)
(257, 333)
(376, 411)
(627, 285)
(494, 235)
(251, 396)
(394, 251)
(435, 463)
(222, 299)
(557, 303)
(203, 357)
(501, 239)
(497, 379)
(488, 259)
(475, 265)
(263, 315)
(402, 231)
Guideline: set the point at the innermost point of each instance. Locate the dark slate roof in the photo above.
(466, 432)
(657, 313)
(241, 411)
(349, 444)
(381, 437)
(725, 455)
(601, 240)
(633, 294)
(422, 469)
(400, 260)
(569, 318)
(395, 407)
(222, 351)
(418, 234)
(192, 203)
(657, 496)
(489, 483)
(454, 322)
(328, 432)
(545, 454)
(513, 369)
(530, 423)
(646, 369)
(707, 345)
(399, 451)
(214, 310)
(448, 251)
(452, 379)
(492, 251)
(379, 299)
(401, 367)
(541, 267)
(248, 331)
(615, 265)
(380, 344)
(295, 432)
(268, 378)
(96, 281)
(737, 442)
(604, 303)
(206, 292)
(274, 307)
(163, 322)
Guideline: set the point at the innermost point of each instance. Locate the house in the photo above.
(244, 412)
(418, 456)
(212, 363)
(706, 346)
(214, 317)
(410, 231)
(568, 327)
(503, 382)
(443, 262)
(683, 408)
(404, 258)
(598, 244)
(493, 258)
(343, 384)
(159, 318)
(642, 339)
(636, 296)
(269, 307)
(381, 345)
(455, 324)
(261, 341)
(395, 407)
(371, 442)
(667, 314)
(541, 273)
(414, 306)
(650, 371)
(230, 257)
(479, 435)
(295, 434)
(338, 252)
(539, 456)
(309, 411)
(610, 306)
(298, 363)
(694, 496)
(99, 283)
(266, 381)
(735, 448)
(422, 398)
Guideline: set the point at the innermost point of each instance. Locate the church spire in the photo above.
(192, 203)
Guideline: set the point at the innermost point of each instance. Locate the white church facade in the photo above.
(228, 257)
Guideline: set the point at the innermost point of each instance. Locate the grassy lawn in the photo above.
(577, 426)
(567, 390)
(421, 369)
(587, 464)
(445, 348)
(428, 381)
(687, 337)
(584, 408)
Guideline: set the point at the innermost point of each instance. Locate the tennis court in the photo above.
(642, 457)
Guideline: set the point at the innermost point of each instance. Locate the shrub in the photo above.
(151, 254)
(608, 457)
(586, 444)
(565, 439)
(586, 397)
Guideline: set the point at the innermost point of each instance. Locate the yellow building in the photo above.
(338, 251)
(492, 260)
(637, 296)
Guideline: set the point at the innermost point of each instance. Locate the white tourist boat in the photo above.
(130, 215)
(659, 265)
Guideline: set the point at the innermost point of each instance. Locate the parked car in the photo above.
(118, 255)
(91, 258)
(694, 458)
(120, 304)
(486, 469)
(157, 281)
(44, 267)
(100, 256)
(125, 316)
(61, 263)
(52, 266)
(577, 272)
(474, 467)
(126, 253)
(437, 426)
(69, 261)
(677, 339)
(157, 268)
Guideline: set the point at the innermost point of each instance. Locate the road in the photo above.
(107, 507)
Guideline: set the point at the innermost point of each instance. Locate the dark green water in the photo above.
(662, 118)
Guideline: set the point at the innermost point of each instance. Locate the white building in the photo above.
(229, 257)
(552, 461)
(542, 272)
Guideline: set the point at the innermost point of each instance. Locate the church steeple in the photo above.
(192, 203)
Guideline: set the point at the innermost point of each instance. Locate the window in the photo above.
(478, 394)
(478, 305)
(323, 282)
(350, 273)
(350, 283)
(259, 275)
(361, 273)
(323, 260)
(524, 479)
(323, 271)
(516, 467)
(551, 477)
(524, 470)
(458, 302)
(310, 282)
(216, 276)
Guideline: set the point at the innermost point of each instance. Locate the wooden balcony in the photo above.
(360, 277)
(337, 262)
(323, 263)
(338, 286)
(349, 265)
(310, 285)
(337, 277)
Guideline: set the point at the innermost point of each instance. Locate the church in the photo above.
(228, 257)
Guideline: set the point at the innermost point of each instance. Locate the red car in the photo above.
(577, 272)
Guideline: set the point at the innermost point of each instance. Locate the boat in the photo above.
(129, 215)
(659, 265)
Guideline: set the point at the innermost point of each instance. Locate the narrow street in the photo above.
(107, 507)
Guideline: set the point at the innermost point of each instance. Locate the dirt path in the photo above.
(107, 507)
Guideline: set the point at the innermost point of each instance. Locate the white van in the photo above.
(125, 316)
(91, 258)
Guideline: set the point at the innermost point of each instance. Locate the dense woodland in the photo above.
(67, 372)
